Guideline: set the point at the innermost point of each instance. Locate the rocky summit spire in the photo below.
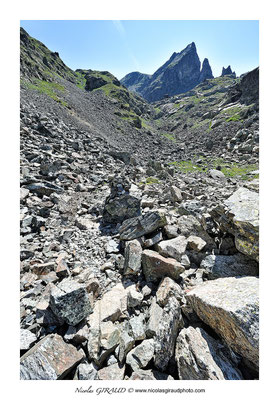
(227, 71)
(206, 72)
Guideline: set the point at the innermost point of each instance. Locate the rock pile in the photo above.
(125, 280)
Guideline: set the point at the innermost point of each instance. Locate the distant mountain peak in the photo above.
(182, 72)
(227, 71)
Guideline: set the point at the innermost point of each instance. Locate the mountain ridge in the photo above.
(180, 73)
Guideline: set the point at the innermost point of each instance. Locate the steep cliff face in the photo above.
(182, 72)
(246, 91)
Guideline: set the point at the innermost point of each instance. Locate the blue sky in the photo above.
(144, 45)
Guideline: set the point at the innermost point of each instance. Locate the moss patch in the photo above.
(230, 170)
(169, 136)
(51, 89)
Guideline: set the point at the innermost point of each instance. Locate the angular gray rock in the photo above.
(195, 243)
(70, 302)
(165, 338)
(153, 240)
(200, 357)
(140, 356)
(176, 195)
(231, 307)
(134, 298)
(27, 338)
(174, 248)
(239, 215)
(50, 359)
(132, 263)
(137, 326)
(43, 188)
(226, 266)
(216, 174)
(87, 372)
(104, 336)
(136, 227)
(126, 341)
(166, 289)
(149, 375)
(156, 266)
(155, 316)
(112, 372)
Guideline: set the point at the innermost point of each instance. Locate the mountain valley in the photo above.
(139, 221)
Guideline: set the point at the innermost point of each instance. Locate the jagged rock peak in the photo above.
(181, 73)
(206, 71)
(227, 71)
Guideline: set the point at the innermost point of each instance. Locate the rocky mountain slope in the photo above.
(139, 238)
(182, 72)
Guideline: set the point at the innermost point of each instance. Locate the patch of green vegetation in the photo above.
(209, 130)
(197, 99)
(202, 124)
(234, 170)
(230, 170)
(169, 136)
(236, 117)
(151, 180)
(48, 88)
(81, 81)
(233, 113)
(187, 166)
(145, 124)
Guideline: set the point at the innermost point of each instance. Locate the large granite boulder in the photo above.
(200, 357)
(231, 307)
(140, 356)
(50, 359)
(239, 215)
(226, 266)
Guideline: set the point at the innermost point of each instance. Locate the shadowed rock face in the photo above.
(247, 90)
(206, 71)
(200, 357)
(182, 72)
